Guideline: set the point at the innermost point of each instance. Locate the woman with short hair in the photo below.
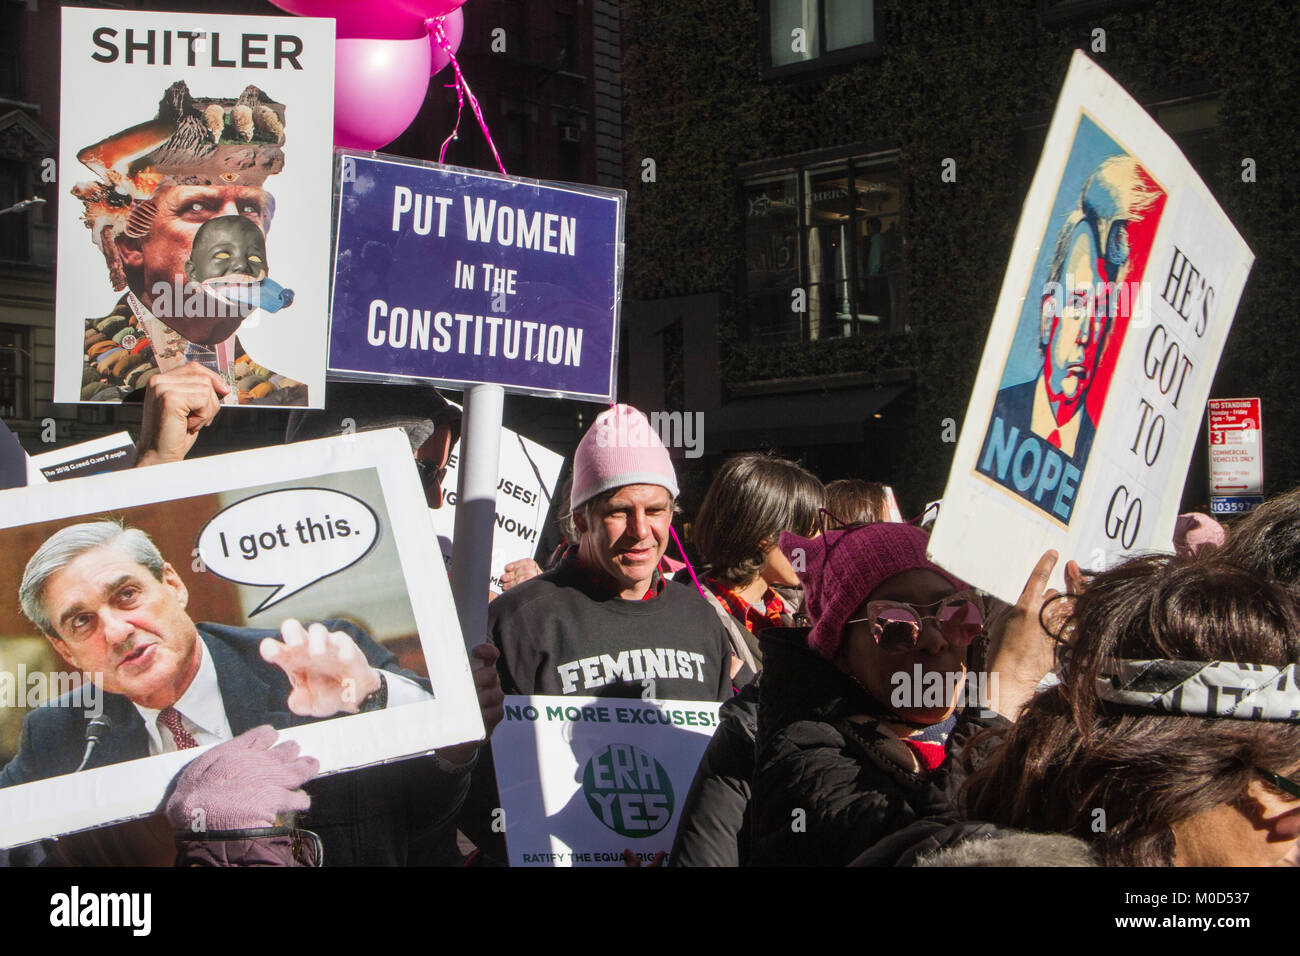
(753, 588)
(752, 500)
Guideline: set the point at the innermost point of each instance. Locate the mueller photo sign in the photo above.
(296, 586)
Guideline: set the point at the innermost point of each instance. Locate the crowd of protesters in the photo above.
(1147, 715)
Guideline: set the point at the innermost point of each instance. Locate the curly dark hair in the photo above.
(1071, 754)
(1268, 539)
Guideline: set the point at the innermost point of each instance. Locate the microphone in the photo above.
(98, 729)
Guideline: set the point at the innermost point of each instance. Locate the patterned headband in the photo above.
(1204, 689)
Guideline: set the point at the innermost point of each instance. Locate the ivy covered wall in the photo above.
(959, 80)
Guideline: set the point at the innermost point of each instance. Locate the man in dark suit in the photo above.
(113, 608)
(1015, 405)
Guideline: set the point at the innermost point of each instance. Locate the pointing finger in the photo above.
(1038, 579)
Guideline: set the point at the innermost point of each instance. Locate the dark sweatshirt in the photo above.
(561, 634)
(558, 635)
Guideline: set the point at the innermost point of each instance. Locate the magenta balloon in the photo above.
(370, 19)
(379, 87)
(430, 8)
(454, 26)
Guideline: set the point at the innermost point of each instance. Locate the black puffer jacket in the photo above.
(937, 841)
(823, 791)
(713, 829)
(925, 838)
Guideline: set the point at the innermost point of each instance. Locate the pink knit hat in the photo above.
(840, 569)
(620, 448)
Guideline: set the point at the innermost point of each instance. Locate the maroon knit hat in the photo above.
(840, 569)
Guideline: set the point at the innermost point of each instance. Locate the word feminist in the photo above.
(640, 663)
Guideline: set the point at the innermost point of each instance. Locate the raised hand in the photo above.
(328, 672)
(1021, 652)
(177, 406)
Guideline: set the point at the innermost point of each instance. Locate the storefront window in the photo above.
(824, 250)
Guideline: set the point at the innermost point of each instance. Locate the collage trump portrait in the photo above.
(219, 131)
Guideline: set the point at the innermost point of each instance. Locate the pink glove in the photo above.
(241, 784)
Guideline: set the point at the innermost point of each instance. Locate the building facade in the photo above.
(824, 194)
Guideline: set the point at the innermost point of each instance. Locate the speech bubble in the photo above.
(288, 539)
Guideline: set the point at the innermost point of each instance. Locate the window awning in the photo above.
(836, 417)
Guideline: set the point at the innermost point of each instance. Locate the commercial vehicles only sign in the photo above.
(1236, 455)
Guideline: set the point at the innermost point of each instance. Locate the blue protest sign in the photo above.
(460, 276)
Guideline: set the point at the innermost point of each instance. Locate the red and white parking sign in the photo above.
(1236, 448)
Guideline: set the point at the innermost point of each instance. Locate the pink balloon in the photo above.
(430, 8)
(454, 26)
(370, 19)
(379, 87)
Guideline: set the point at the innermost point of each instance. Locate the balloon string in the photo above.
(689, 568)
(462, 92)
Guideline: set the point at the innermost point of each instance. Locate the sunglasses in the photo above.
(897, 624)
(1282, 783)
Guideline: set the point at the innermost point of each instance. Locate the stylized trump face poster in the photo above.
(1123, 281)
(295, 587)
(194, 203)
